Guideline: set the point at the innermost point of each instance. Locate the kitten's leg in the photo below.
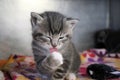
(53, 61)
(58, 74)
(71, 76)
(61, 71)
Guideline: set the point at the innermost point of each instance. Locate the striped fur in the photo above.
(51, 29)
(55, 21)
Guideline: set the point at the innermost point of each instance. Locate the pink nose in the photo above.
(54, 45)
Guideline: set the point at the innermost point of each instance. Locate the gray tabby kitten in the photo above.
(52, 30)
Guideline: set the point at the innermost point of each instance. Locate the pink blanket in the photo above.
(19, 67)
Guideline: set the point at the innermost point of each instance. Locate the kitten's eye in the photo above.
(39, 35)
(48, 37)
(61, 37)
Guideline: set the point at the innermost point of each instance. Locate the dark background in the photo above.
(15, 28)
(115, 14)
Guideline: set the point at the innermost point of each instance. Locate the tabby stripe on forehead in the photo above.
(55, 23)
(49, 23)
(61, 26)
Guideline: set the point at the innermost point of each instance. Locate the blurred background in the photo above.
(15, 27)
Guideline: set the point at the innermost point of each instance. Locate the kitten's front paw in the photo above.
(58, 58)
(54, 60)
(71, 76)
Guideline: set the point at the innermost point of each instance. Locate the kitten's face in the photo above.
(51, 30)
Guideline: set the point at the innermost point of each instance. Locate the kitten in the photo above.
(52, 30)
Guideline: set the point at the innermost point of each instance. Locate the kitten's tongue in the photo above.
(53, 49)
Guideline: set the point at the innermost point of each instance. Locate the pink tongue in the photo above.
(53, 49)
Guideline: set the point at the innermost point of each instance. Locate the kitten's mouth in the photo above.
(53, 49)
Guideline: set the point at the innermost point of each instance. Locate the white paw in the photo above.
(57, 56)
(71, 76)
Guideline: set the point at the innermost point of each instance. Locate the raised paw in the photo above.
(71, 76)
(54, 60)
(57, 57)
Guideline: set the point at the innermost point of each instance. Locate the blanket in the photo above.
(21, 67)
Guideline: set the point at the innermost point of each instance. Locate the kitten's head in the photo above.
(52, 29)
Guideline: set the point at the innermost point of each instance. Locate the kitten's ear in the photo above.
(35, 18)
(71, 22)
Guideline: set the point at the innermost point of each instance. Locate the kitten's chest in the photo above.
(67, 52)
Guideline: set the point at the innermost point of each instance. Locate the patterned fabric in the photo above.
(19, 67)
(92, 56)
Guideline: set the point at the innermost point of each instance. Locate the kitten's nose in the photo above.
(54, 44)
